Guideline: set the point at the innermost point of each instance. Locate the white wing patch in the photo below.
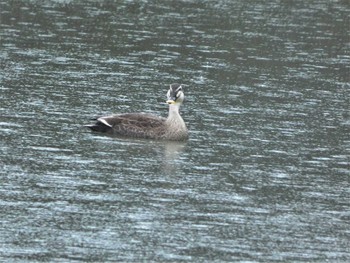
(104, 122)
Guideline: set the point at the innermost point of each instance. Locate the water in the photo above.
(264, 176)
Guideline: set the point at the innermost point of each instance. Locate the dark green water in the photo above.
(264, 176)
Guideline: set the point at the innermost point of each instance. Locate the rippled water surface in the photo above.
(264, 176)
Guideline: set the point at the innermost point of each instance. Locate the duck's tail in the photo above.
(99, 127)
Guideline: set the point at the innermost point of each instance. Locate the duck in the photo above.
(145, 125)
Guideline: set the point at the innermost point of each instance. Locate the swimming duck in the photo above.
(143, 125)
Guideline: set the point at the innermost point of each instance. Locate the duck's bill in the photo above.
(170, 101)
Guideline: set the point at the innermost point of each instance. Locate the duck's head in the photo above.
(175, 94)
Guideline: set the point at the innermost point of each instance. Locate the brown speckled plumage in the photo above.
(142, 125)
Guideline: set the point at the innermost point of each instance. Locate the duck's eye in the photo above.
(178, 94)
(178, 89)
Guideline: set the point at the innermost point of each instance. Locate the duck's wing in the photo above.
(131, 124)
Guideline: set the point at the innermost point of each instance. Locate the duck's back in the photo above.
(140, 125)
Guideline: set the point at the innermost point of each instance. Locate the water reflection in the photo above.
(172, 153)
(164, 157)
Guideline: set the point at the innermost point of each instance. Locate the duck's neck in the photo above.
(176, 125)
(174, 113)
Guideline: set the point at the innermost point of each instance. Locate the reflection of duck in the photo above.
(142, 125)
(171, 162)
